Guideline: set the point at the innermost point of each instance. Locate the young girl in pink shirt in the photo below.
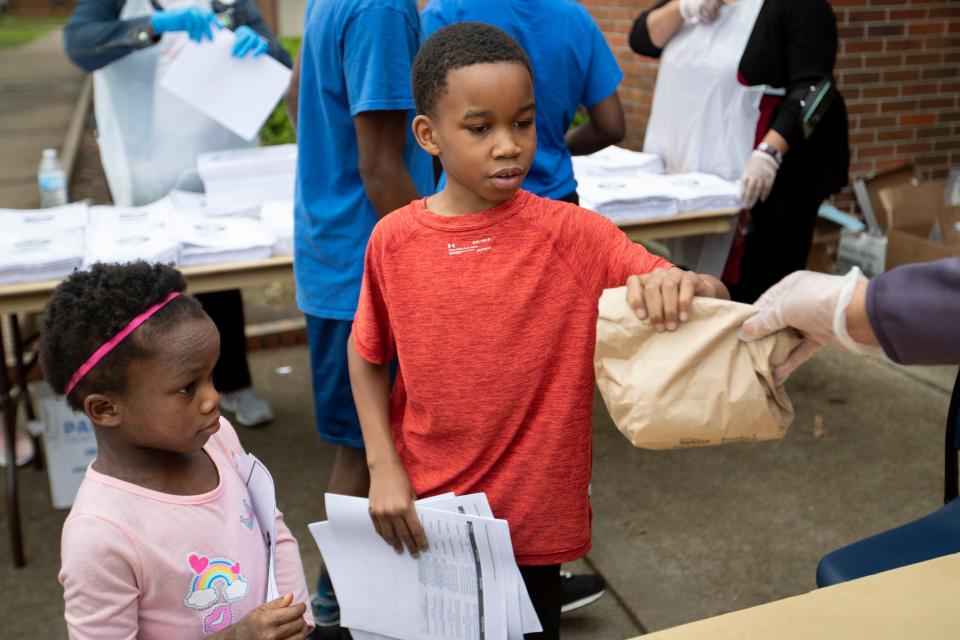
(163, 540)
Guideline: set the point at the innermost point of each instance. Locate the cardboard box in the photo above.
(68, 444)
(823, 247)
(920, 227)
(867, 191)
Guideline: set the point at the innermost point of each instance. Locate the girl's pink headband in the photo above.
(111, 344)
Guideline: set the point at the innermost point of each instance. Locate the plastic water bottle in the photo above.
(52, 180)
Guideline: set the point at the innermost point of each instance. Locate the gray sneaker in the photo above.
(249, 409)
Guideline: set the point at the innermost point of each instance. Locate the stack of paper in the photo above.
(628, 185)
(24, 259)
(41, 244)
(181, 228)
(242, 177)
(624, 199)
(126, 234)
(277, 215)
(699, 191)
(196, 205)
(44, 222)
(616, 161)
(466, 585)
(220, 239)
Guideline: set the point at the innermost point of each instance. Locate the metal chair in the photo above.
(932, 536)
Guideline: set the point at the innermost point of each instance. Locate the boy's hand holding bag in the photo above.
(697, 386)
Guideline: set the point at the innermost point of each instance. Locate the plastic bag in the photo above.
(148, 137)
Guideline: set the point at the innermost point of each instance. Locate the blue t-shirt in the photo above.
(357, 56)
(572, 66)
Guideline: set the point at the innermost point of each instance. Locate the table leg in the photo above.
(9, 441)
(22, 370)
(20, 367)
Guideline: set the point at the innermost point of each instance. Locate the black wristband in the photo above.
(772, 151)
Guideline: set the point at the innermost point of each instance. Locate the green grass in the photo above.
(17, 30)
(278, 128)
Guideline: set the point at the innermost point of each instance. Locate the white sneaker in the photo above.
(23, 445)
(248, 408)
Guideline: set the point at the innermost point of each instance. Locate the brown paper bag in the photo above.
(697, 386)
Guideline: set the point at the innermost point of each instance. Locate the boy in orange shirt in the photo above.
(488, 296)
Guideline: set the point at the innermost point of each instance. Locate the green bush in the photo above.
(278, 129)
(579, 118)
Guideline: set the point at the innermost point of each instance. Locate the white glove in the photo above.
(813, 303)
(694, 11)
(757, 179)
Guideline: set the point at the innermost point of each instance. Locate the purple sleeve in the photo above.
(915, 312)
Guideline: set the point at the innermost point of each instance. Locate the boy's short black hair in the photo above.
(92, 306)
(455, 46)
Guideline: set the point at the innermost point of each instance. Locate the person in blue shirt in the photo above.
(573, 67)
(357, 161)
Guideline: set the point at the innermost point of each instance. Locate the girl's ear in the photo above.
(425, 132)
(102, 410)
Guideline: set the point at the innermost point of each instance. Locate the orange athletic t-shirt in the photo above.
(493, 318)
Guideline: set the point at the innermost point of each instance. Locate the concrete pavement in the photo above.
(39, 89)
(679, 535)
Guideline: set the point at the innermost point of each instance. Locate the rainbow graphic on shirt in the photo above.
(216, 585)
(223, 570)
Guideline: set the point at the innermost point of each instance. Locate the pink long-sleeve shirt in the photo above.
(142, 564)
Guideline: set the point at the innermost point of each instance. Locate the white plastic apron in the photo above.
(702, 118)
(148, 137)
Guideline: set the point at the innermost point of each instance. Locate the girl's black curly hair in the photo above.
(90, 307)
(460, 45)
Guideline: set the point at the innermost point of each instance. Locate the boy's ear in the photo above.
(425, 132)
(102, 410)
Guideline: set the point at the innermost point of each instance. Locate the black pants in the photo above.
(225, 308)
(777, 243)
(543, 585)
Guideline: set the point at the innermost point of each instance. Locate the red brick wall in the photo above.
(898, 68)
(615, 17)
